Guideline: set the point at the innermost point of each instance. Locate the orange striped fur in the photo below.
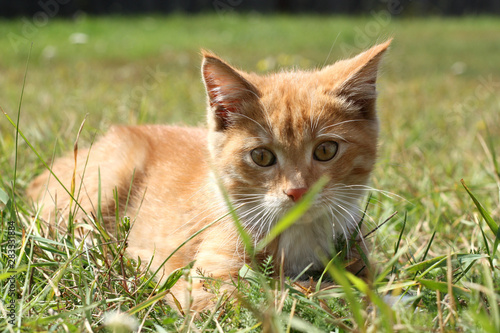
(269, 139)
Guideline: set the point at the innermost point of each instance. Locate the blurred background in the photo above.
(353, 7)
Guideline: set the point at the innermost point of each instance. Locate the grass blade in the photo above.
(443, 287)
(398, 243)
(428, 246)
(382, 306)
(51, 319)
(486, 216)
(148, 302)
(17, 123)
(340, 276)
(460, 258)
(486, 246)
(294, 214)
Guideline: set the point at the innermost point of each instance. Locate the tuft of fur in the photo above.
(174, 172)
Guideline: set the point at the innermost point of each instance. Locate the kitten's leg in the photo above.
(217, 266)
(109, 164)
(199, 295)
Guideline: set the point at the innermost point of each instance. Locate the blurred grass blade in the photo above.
(459, 259)
(73, 177)
(389, 265)
(396, 247)
(17, 123)
(364, 258)
(489, 147)
(327, 267)
(428, 246)
(4, 197)
(492, 294)
(294, 214)
(464, 271)
(301, 325)
(398, 243)
(443, 287)
(487, 217)
(383, 307)
(339, 275)
(486, 246)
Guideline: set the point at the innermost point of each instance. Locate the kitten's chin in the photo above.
(313, 215)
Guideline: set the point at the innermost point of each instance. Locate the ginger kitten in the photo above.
(269, 139)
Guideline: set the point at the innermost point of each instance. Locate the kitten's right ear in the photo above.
(227, 90)
(355, 79)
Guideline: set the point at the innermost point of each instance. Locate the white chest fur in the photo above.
(306, 244)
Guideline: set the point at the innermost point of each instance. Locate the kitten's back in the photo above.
(148, 156)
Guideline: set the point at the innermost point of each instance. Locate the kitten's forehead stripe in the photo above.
(290, 109)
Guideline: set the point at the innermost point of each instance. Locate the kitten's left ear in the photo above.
(356, 77)
(228, 91)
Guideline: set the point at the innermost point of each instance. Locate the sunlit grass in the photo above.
(440, 123)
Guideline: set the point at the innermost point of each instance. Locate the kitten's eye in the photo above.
(263, 157)
(326, 151)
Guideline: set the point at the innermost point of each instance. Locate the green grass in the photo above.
(440, 123)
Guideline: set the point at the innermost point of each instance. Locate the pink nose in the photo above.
(296, 193)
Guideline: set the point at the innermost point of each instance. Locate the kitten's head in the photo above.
(272, 137)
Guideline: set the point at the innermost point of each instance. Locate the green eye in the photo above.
(263, 157)
(326, 151)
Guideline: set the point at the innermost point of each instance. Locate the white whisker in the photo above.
(253, 120)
